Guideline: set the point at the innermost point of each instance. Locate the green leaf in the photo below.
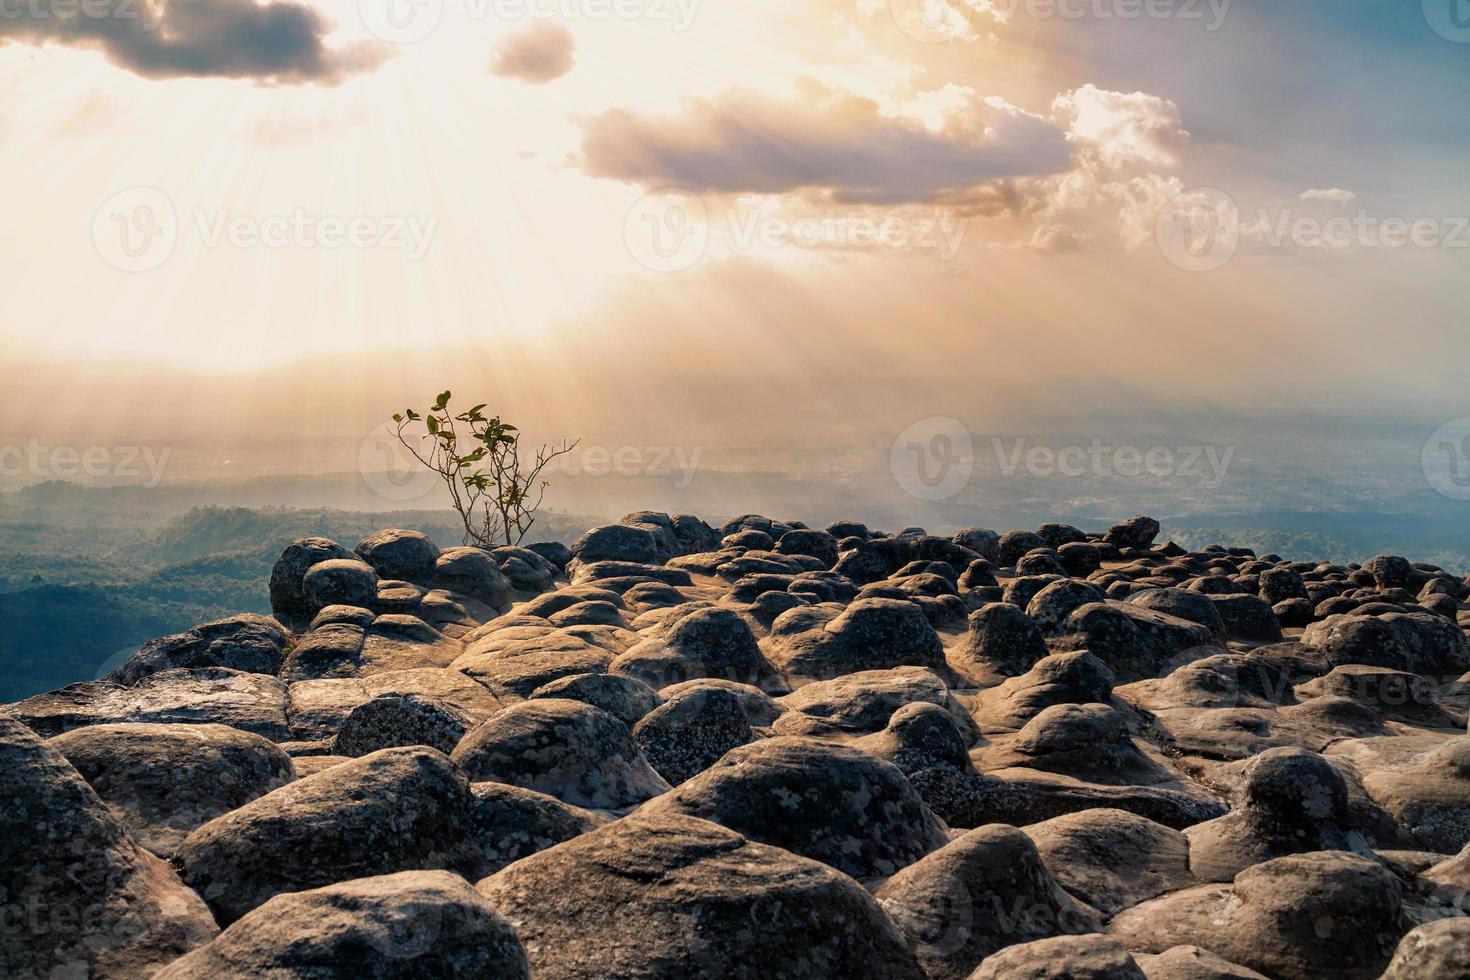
(433, 425)
(398, 416)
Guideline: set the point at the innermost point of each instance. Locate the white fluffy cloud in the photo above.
(822, 139)
(1120, 129)
(1332, 195)
(537, 54)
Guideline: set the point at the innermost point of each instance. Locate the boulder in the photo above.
(827, 802)
(287, 588)
(249, 643)
(1061, 958)
(398, 719)
(577, 753)
(978, 894)
(405, 925)
(81, 898)
(665, 897)
(161, 782)
(395, 810)
(690, 731)
(399, 554)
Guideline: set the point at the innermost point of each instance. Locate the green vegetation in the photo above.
(495, 494)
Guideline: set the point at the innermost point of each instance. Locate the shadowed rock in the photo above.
(393, 720)
(1061, 958)
(665, 897)
(709, 642)
(580, 754)
(1301, 917)
(394, 810)
(870, 634)
(82, 899)
(690, 731)
(410, 924)
(164, 781)
(1112, 859)
(827, 802)
(978, 894)
(1002, 639)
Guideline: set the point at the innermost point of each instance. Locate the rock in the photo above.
(81, 898)
(976, 895)
(981, 540)
(318, 708)
(580, 754)
(690, 731)
(1080, 559)
(818, 544)
(1247, 617)
(625, 698)
(507, 823)
(827, 802)
(870, 634)
(472, 572)
(206, 695)
(1389, 571)
(1133, 641)
(1182, 604)
(1112, 859)
(1300, 917)
(694, 535)
(616, 542)
(400, 554)
(1193, 963)
(1061, 958)
(287, 588)
(759, 707)
(1394, 695)
(1050, 607)
(864, 702)
(709, 642)
(1291, 801)
(340, 581)
(249, 643)
(1090, 742)
(1000, 639)
(1426, 788)
(1137, 533)
(394, 720)
(665, 897)
(410, 924)
(553, 551)
(1281, 584)
(395, 810)
(163, 781)
(1013, 544)
(1062, 678)
(1432, 951)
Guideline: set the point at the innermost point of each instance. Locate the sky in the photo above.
(751, 216)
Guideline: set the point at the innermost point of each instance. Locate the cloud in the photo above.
(274, 42)
(1119, 129)
(1332, 195)
(823, 139)
(538, 54)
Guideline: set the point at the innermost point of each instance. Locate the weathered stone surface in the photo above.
(81, 898)
(665, 897)
(395, 810)
(577, 753)
(827, 802)
(161, 782)
(405, 925)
